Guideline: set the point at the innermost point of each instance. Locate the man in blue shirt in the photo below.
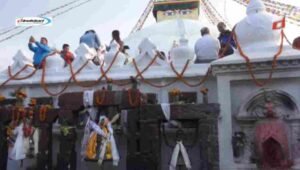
(41, 51)
(91, 39)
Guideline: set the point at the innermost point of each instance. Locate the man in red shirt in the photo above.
(66, 54)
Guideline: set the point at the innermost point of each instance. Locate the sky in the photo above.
(100, 15)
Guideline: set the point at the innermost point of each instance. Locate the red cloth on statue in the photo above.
(272, 154)
(272, 144)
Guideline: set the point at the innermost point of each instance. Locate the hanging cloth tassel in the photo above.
(85, 138)
(88, 98)
(36, 138)
(180, 148)
(165, 107)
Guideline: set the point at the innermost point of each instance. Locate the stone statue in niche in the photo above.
(271, 140)
(270, 120)
(243, 148)
(238, 143)
(296, 149)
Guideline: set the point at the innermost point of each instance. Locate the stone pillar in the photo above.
(55, 102)
(225, 125)
(44, 157)
(4, 120)
(66, 158)
(3, 146)
(143, 146)
(295, 143)
(164, 95)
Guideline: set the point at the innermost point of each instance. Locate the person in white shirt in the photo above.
(207, 47)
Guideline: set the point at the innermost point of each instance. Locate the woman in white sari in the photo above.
(21, 147)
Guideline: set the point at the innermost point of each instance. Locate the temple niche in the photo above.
(266, 131)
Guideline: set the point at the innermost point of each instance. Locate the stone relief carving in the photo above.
(282, 104)
(261, 107)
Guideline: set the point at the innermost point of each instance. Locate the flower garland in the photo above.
(42, 113)
(250, 66)
(104, 75)
(30, 113)
(137, 100)
(44, 85)
(175, 92)
(27, 129)
(204, 90)
(2, 98)
(14, 77)
(100, 100)
(15, 116)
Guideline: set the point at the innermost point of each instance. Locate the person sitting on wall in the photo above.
(41, 51)
(66, 54)
(296, 43)
(226, 40)
(116, 37)
(162, 55)
(90, 38)
(206, 48)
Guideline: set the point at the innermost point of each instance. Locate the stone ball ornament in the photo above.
(182, 53)
(256, 31)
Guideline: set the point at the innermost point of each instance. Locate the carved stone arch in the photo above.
(284, 105)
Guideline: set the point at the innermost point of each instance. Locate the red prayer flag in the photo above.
(279, 24)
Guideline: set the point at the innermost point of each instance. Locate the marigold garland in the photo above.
(42, 113)
(100, 100)
(137, 100)
(250, 66)
(44, 85)
(139, 73)
(175, 92)
(147, 81)
(14, 77)
(2, 98)
(104, 75)
(204, 90)
(27, 130)
(15, 116)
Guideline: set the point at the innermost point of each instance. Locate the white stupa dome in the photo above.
(108, 57)
(163, 34)
(54, 62)
(255, 31)
(182, 53)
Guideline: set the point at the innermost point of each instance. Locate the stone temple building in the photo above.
(239, 112)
